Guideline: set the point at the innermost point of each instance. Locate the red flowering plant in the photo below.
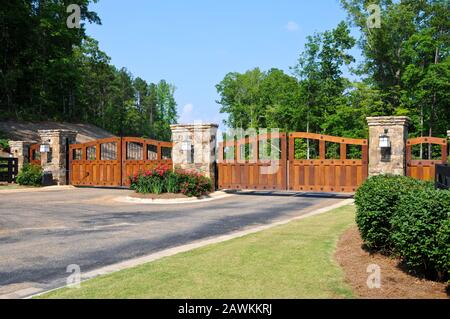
(150, 181)
(194, 184)
(161, 179)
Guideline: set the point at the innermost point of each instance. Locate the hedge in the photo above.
(30, 175)
(376, 201)
(421, 232)
(409, 219)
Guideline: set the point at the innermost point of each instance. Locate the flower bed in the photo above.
(161, 180)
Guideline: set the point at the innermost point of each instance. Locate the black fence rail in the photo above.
(9, 168)
(443, 176)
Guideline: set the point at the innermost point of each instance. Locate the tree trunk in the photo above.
(433, 106)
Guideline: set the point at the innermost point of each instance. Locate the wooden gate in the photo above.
(111, 161)
(302, 162)
(34, 154)
(425, 169)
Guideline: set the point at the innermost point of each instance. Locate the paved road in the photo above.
(41, 233)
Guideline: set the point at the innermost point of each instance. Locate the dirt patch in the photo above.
(395, 283)
(28, 131)
(160, 196)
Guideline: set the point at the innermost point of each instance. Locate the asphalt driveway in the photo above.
(41, 233)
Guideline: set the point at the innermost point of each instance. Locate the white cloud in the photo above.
(291, 26)
(188, 108)
(186, 114)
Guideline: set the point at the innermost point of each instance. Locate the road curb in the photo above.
(193, 200)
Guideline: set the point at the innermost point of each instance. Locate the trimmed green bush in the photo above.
(421, 231)
(162, 180)
(376, 201)
(30, 175)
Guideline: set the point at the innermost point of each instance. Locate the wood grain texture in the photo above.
(112, 172)
(319, 175)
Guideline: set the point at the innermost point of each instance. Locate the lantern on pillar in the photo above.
(385, 146)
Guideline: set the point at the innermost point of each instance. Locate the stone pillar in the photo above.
(55, 162)
(448, 134)
(21, 151)
(396, 127)
(194, 148)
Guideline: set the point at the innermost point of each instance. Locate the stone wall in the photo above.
(194, 147)
(54, 162)
(396, 127)
(20, 150)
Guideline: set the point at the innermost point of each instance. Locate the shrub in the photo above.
(150, 181)
(161, 180)
(376, 201)
(4, 145)
(421, 231)
(172, 185)
(193, 184)
(30, 175)
(4, 141)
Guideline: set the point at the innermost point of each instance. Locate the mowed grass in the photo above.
(11, 186)
(290, 261)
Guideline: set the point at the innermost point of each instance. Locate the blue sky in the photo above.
(195, 43)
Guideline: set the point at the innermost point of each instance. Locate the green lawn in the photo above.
(290, 261)
(10, 186)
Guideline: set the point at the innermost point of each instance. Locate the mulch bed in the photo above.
(395, 282)
(160, 196)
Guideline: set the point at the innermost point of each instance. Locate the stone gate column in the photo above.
(194, 147)
(396, 128)
(20, 150)
(54, 161)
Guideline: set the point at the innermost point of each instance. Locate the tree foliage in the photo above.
(407, 59)
(51, 72)
(405, 71)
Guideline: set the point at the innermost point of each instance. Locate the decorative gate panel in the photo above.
(111, 161)
(96, 163)
(143, 154)
(249, 166)
(425, 169)
(34, 154)
(328, 169)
